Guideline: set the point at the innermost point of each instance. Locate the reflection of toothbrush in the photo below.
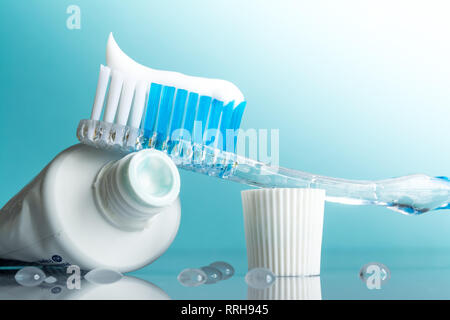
(222, 109)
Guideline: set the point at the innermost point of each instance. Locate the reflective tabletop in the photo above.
(412, 274)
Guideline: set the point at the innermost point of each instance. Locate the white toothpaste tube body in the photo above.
(93, 208)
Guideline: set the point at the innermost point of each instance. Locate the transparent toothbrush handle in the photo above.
(413, 194)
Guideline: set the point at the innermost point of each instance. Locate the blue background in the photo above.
(357, 90)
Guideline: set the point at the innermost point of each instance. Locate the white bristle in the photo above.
(113, 96)
(100, 93)
(126, 99)
(138, 106)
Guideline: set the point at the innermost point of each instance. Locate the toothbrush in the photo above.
(128, 127)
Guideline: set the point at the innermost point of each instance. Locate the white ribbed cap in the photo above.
(283, 229)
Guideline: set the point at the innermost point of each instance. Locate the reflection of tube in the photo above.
(92, 208)
(289, 288)
(127, 288)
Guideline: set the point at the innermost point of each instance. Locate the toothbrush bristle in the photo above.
(227, 114)
(152, 109)
(191, 109)
(213, 123)
(126, 98)
(100, 93)
(138, 105)
(178, 110)
(112, 101)
(164, 112)
(201, 118)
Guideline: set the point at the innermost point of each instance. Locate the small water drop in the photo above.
(56, 290)
(192, 277)
(50, 280)
(214, 275)
(226, 269)
(259, 278)
(30, 276)
(103, 276)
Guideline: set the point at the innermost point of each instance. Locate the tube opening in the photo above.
(154, 178)
(137, 187)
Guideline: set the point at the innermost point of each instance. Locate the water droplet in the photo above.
(30, 276)
(226, 269)
(259, 278)
(56, 290)
(192, 277)
(103, 276)
(50, 280)
(213, 274)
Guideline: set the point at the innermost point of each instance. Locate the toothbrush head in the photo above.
(138, 114)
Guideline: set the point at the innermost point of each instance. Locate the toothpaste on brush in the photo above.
(218, 89)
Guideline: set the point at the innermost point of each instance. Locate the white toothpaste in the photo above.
(93, 208)
(216, 88)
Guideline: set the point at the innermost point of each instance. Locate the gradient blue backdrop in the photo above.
(357, 90)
